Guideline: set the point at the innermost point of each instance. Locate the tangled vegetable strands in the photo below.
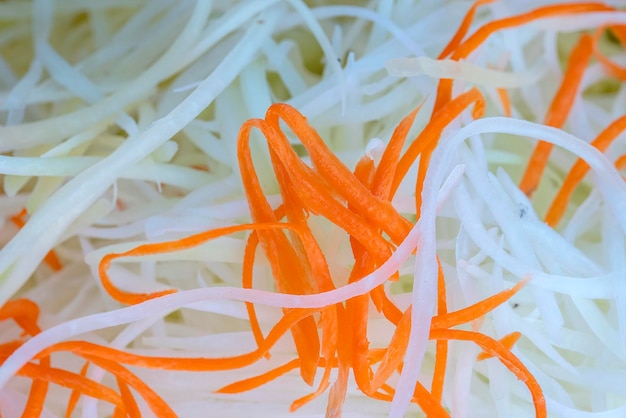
(288, 208)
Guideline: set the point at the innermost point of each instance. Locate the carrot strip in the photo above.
(481, 35)
(260, 380)
(132, 408)
(497, 349)
(462, 29)
(579, 169)
(167, 247)
(559, 110)
(444, 87)
(508, 341)
(75, 395)
(441, 349)
(611, 68)
(154, 401)
(395, 351)
(247, 266)
(476, 310)
(426, 142)
(51, 258)
(429, 404)
(291, 274)
(87, 349)
(72, 381)
(503, 94)
(379, 212)
(620, 163)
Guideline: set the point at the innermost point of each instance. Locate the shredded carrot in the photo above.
(620, 163)
(428, 137)
(256, 381)
(481, 35)
(51, 258)
(476, 310)
(154, 401)
(559, 110)
(508, 341)
(499, 350)
(75, 395)
(462, 29)
(441, 349)
(444, 87)
(132, 408)
(383, 178)
(503, 94)
(611, 68)
(72, 381)
(579, 169)
(378, 212)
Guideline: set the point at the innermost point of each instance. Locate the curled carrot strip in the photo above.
(579, 169)
(558, 112)
(462, 29)
(611, 68)
(481, 35)
(499, 350)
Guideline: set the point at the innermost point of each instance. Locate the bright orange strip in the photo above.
(508, 341)
(427, 139)
(91, 350)
(580, 169)
(378, 212)
(51, 258)
(260, 380)
(441, 349)
(559, 110)
(613, 69)
(481, 35)
(72, 381)
(476, 310)
(497, 349)
(462, 29)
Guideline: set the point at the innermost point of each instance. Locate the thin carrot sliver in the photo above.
(428, 137)
(75, 395)
(256, 381)
(497, 349)
(620, 163)
(508, 341)
(503, 94)
(395, 351)
(132, 409)
(579, 169)
(383, 178)
(444, 87)
(89, 350)
(377, 211)
(154, 401)
(72, 381)
(462, 29)
(52, 259)
(611, 68)
(558, 112)
(481, 35)
(441, 349)
(476, 310)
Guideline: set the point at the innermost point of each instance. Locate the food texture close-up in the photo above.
(312, 208)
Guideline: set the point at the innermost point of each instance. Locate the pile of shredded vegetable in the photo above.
(297, 208)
